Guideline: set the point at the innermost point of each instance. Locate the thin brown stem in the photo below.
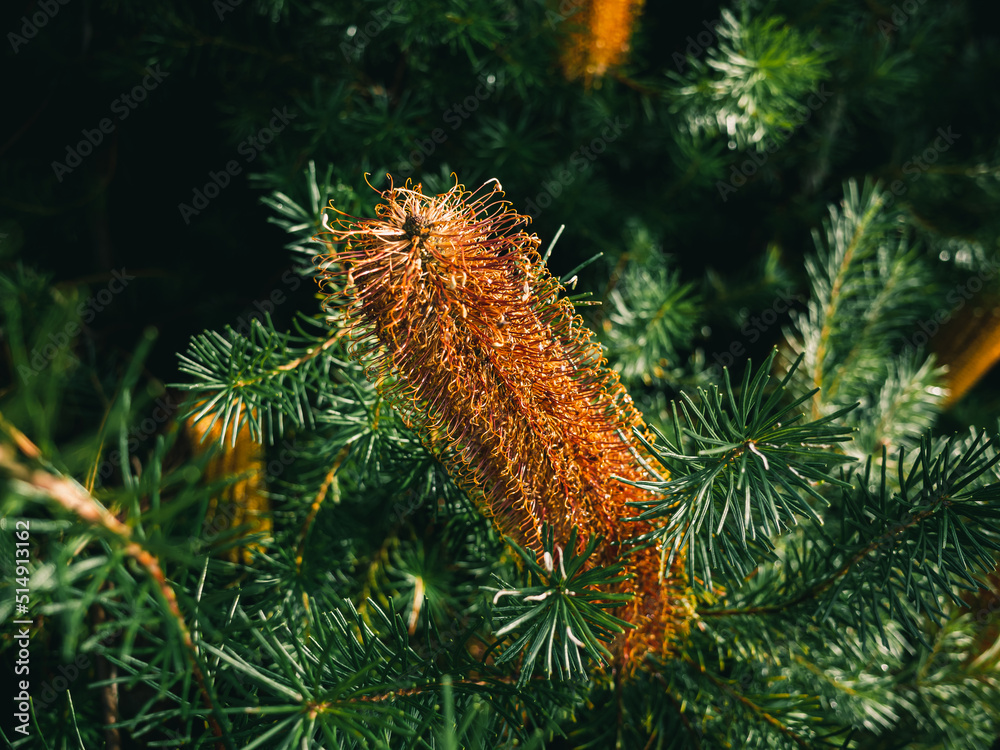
(310, 354)
(749, 704)
(108, 673)
(821, 586)
(832, 303)
(71, 497)
(329, 480)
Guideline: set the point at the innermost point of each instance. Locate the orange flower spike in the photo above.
(462, 329)
(600, 38)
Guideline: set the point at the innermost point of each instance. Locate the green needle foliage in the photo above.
(743, 470)
(754, 80)
(562, 614)
(870, 291)
(832, 601)
(649, 318)
(906, 552)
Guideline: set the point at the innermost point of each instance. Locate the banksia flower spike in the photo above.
(602, 37)
(243, 503)
(462, 329)
(970, 345)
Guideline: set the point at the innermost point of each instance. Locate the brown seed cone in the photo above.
(462, 329)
